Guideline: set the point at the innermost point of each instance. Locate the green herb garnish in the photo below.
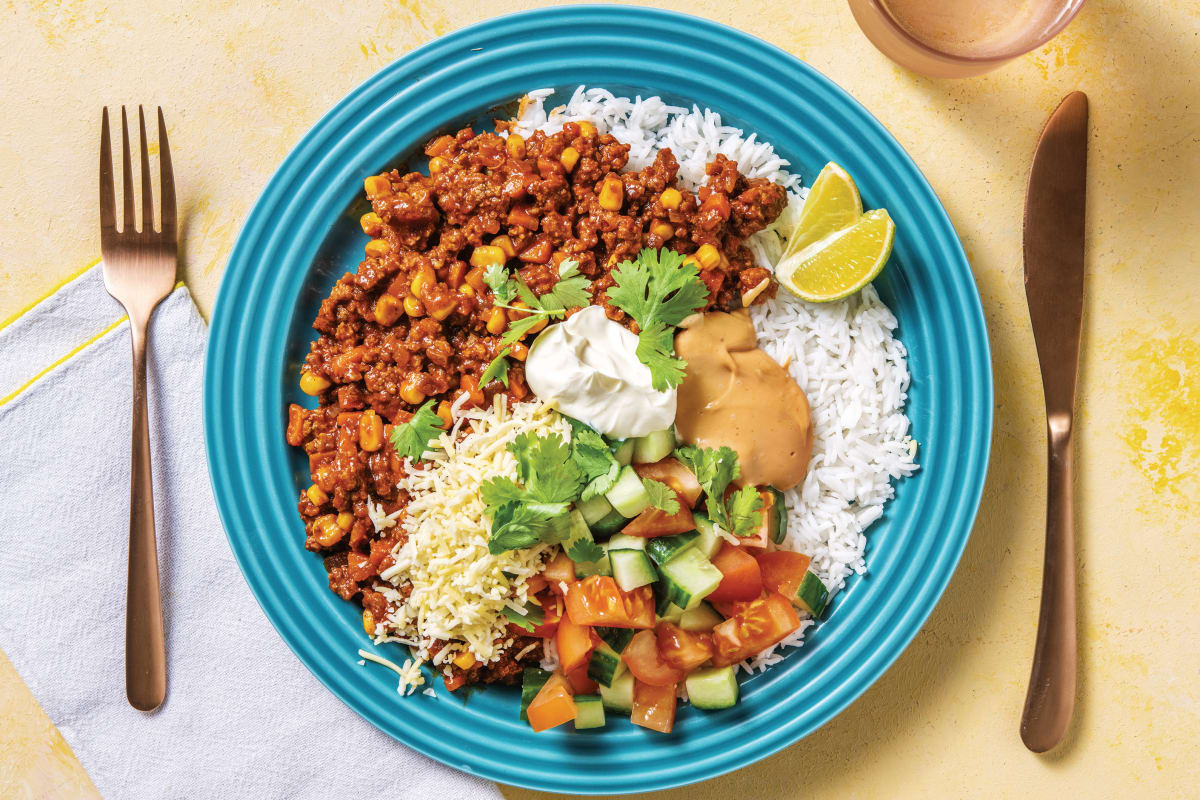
(533, 616)
(662, 496)
(535, 509)
(413, 437)
(595, 460)
(715, 470)
(497, 370)
(659, 291)
(583, 551)
(571, 291)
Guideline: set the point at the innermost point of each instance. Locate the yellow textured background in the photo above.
(242, 81)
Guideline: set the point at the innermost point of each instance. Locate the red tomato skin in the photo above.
(673, 473)
(683, 650)
(580, 682)
(783, 570)
(597, 600)
(653, 706)
(743, 579)
(756, 627)
(642, 657)
(652, 522)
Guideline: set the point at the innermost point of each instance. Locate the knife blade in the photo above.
(1054, 271)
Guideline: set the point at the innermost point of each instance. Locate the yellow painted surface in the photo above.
(242, 81)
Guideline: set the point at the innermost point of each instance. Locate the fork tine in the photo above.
(147, 191)
(108, 206)
(127, 223)
(166, 180)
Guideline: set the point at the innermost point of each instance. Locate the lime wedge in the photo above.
(841, 263)
(832, 204)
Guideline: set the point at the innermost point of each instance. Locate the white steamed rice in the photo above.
(843, 354)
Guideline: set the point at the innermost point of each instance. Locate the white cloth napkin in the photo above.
(243, 717)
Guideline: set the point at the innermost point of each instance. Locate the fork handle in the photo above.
(1050, 700)
(145, 650)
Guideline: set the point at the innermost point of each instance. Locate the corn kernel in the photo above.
(518, 311)
(414, 307)
(466, 289)
(474, 279)
(316, 496)
(409, 392)
(670, 198)
(371, 223)
(519, 351)
(327, 530)
(370, 431)
(441, 312)
(464, 660)
(425, 277)
(515, 144)
(368, 622)
(345, 520)
(569, 158)
(693, 261)
(587, 129)
(387, 309)
(313, 384)
(377, 186)
(485, 255)
(505, 244)
(612, 194)
(496, 321)
(377, 248)
(708, 256)
(437, 164)
(662, 230)
(443, 412)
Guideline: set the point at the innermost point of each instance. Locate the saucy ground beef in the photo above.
(417, 321)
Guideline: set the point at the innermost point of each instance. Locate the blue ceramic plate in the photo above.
(303, 234)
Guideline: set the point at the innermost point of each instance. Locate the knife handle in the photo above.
(1051, 696)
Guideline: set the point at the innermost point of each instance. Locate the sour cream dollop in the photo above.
(587, 368)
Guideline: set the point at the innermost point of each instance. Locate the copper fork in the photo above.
(139, 271)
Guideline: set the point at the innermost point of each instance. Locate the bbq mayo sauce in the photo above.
(736, 395)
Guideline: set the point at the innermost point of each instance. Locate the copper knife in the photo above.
(1054, 233)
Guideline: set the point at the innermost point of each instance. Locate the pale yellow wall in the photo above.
(241, 81)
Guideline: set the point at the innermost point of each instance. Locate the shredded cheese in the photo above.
(409, 672)
(458, 589)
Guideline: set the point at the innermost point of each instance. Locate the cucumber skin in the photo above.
(589, 712)
(616, 638)
(532, 682)
(813, 594)
(604, 665)
(612, 522)
(710, 541)
(711, 688)
(623, 542)
(664, 549)
(676, 588)
(619, 696)
(779, 509)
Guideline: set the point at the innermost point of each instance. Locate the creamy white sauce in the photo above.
(587, 368)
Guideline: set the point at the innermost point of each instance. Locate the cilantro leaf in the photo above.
(662, 496)
(413, 437)
(656, 349)
(714, 470)
(533, 616)
(745, 515)
(659, 291)
(595, 460)
(499, 490)
(516, 525)
(570, 291)
(517, 328)
(496, 277)
(497, 370)
(545, 467)
(583, 551)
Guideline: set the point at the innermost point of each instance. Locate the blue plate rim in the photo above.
(964, 513)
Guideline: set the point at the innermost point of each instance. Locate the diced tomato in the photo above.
(683, 650)
(783, 571)
(597, 600)
(674, 474)
(580, 682)
(742, 577)
(731, 608)
(535, 584)
(553, 704)
(550, 616)
(559, 569)
(762, 623)
(642, 657)
(653, 706)
(574, 643)
(653, 522)
(454, 680)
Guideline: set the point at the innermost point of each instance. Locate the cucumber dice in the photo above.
(712, 688)
(665, 548)
(628, 496)
(623, 452)
(653, 446)
(594, 510)
(605, 665)
(619, 696)
(632, 568)
(589, 711)
(689, 578)
(701, 618)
